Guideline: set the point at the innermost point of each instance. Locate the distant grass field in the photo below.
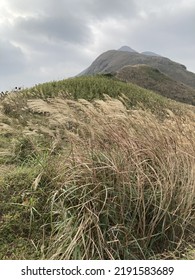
(94, 168)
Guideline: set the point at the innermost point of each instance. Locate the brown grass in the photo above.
(129, 181)
(120, 184)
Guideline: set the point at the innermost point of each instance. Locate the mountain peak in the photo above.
(126, 49)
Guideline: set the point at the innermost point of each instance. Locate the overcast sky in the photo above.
(44, 40)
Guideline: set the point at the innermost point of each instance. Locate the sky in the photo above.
(46, 40)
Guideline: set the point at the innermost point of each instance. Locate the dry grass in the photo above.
(112, 182)
(127, 188)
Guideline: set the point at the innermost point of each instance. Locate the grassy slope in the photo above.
(152, 79)
(92, 168)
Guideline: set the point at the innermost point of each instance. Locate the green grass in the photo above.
(90, 88)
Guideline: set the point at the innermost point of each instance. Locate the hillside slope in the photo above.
(152, 79)
(94, 168)
(112, 60)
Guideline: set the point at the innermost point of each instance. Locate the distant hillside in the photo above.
(152, 79)
(113, 60)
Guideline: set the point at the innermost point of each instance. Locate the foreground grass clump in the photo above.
(127, 194)
(97, 180)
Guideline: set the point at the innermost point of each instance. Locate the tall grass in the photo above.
(127, 189)
(107, 182)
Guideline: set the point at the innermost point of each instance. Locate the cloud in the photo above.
(90, 8)
(12, 59)
(48, 39)
(69, 29)
(115, 9)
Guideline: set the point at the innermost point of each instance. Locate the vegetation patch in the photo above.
(97, 169)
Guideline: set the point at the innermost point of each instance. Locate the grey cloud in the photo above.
(52, 20)
(91, 8)
(110, 8)
(68, 28)
(68, 20)
(12, 58)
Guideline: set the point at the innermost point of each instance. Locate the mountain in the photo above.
(152, 79)
(113, 60)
